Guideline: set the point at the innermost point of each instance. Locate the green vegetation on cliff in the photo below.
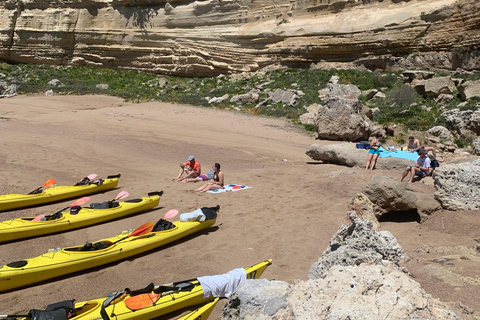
(402, 104)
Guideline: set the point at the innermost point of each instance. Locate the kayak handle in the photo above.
(114, 176)
(155, 193)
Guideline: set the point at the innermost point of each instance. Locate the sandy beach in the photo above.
(290, 213)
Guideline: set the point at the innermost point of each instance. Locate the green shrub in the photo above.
(309, 126)
(472, 104)
(462, 143)
(141, 86)
(402, 95)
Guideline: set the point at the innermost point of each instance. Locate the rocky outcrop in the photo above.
(464, 123)
(206, 38)
(355, 244)
(432, 88)
(440, 134)
(386, 194)
(341, 118)
(469, 90)
(356, 278)
(347, 155)
(458, 185)
(6, 90)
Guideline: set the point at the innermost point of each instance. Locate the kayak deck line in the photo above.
(72, 259)
(55, 193)
(114, 306)
(25, 227)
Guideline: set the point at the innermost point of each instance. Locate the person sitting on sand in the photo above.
(414, 145)
(202, 177)
(217, 180)
(191, 168)
(374, 151)
(421, 167)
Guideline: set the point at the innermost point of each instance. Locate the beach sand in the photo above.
(294, 207)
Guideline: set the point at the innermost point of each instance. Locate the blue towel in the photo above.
(398, 154)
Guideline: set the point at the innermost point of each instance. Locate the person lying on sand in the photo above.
(202, 177)
(191, 168)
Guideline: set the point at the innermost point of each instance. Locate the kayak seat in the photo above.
(83, 182)
(134, 200)
(17, 264)
(56, 311)
(37, 191)
(183, 286)
(104, 205)
(147, 289)
(90, 246)
(162, 225)
(53, 216)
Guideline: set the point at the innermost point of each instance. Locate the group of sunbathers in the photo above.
(193, 173)
(424, 166)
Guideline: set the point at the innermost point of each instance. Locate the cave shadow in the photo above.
(401, 216)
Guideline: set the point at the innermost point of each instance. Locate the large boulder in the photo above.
(343, 115)
(458, 185)
(440, 134)
(355, 244)
(465, 123)
(347, 155)
(364, 292)
(417, 74)
(476, 146)
(284, 96)
(432, 88)
(6, 90)
(390, 195)
(356, 278)
(469, 89)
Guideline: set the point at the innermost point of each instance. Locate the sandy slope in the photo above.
(289, 215)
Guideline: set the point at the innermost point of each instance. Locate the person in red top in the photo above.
(191, 168)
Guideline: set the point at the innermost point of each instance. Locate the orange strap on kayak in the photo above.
(142, 300)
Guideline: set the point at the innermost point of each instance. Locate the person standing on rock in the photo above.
(374, 152)
(191, 168)
(421, 167)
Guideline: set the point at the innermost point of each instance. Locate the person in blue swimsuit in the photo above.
(374, 152)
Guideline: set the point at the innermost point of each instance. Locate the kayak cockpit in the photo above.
(96, 246)
(85, 309)
(45, 217)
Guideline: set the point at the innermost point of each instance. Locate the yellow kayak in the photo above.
(55, 193)
(201, 313)
(61, 261)
(165, 299)
(20, 228)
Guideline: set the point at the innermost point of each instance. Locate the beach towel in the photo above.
(398, 154)
(230, 187)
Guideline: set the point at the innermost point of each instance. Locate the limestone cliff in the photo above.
(205, 38)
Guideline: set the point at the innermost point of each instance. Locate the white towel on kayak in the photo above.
(196, 215)
(230, 187)
(222, 285)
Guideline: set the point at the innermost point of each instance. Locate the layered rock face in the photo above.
(357, 277)
(206, 38)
